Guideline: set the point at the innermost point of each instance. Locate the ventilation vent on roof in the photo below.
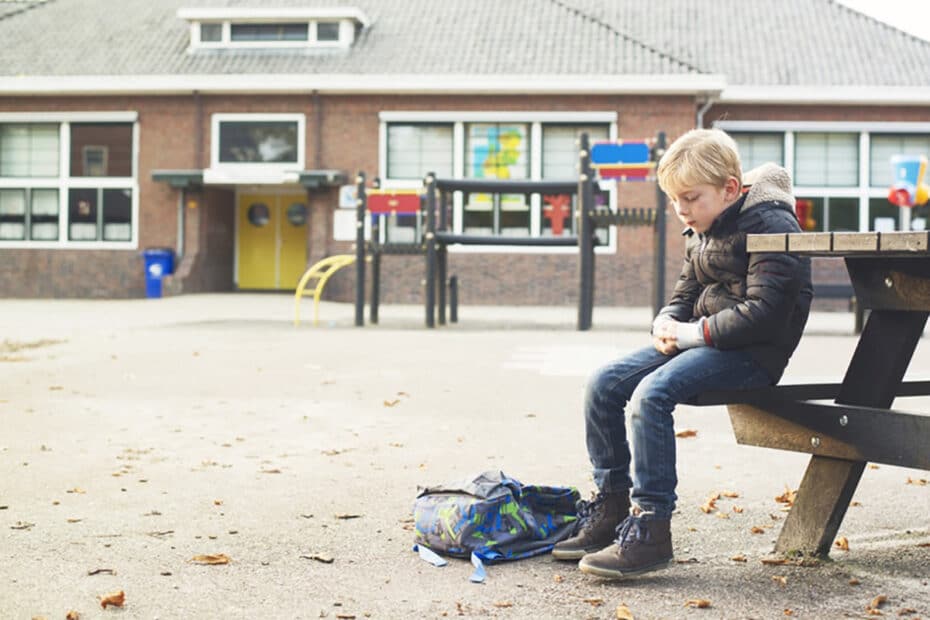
(332, 27)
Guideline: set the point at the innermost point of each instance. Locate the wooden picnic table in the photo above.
(890, 273)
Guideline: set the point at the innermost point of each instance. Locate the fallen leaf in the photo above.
(55, 388)
(710, 505)
(558, 578)
(738, 558)
(503, 604)
(755, 529)
(738, 510)
(780, 580)
(699, 603)
(722, 515)
(391, 403)
(332, 452)
(160, 534)
(775, 561)
(624, 613)
(22, 525)
(396, 444)
(76, 490)
(346, 616)
(854, 582)
(788, 612)
(101, 571)
(842, 543)
(927, 544)
(877, 602)
(117, 599)
(219, 558)
(730, 494)
(596, 602)
(347, 515)
(73, 615)
(686, 433)
(74, 520)
(307, 516)
(403, 394)
(920, 482)
(319, 557)
(788, 497)
(270, 471)
(907, 611)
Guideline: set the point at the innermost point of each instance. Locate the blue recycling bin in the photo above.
(159, 262)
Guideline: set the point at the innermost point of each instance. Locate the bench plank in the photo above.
(855, 242)
(788, 393)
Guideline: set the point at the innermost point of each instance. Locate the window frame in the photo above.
(345, 33)
(865, 130)
(64, 183)
(271, 168)
(535, 120)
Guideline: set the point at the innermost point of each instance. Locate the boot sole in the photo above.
(606, 573)
(572, 554)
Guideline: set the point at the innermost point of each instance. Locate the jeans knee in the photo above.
(649, 402)
(604, 387)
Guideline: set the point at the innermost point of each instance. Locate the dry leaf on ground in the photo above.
(788, 497)
(219, 558)
(117, 599)
(788, 612)
(346, 515)
(921, 482)
(854, 582)
(699, 603)
(842, 543)
(738, 558)
(730, 494)
(686, 433)
(22, 525)
(755, 529)
(73, 615)
(503, 604)
(710, 504)
(738, 510)
(101, 571)
(780, 580)
(775, 561)
(596, 602)
(319, 557)
(391, 403)
(558, 578)
(624, 613)
(877, 602)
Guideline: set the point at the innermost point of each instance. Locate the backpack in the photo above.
(494, 516)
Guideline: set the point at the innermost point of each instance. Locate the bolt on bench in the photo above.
(890, 273)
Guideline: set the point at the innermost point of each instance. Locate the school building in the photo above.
(230, 131)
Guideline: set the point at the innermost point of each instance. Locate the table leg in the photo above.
(875, 371)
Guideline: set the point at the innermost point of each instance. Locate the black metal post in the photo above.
(360, 209)
(430, 297)
(658, 276)
(454, 299)
(584, 204)
(375, 285)
(442, 257)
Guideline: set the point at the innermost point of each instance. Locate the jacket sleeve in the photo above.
(773, 284)
(687, 289)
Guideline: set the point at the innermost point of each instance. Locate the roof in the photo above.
(617, 44)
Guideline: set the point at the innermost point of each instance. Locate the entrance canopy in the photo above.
(189, 179)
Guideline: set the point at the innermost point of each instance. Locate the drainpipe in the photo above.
(182, 192)
(699, 119)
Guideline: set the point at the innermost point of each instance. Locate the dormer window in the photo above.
(232, 27)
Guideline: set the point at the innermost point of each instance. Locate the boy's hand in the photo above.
(665, 337)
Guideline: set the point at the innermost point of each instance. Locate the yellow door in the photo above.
(293, 235)
(272, 240)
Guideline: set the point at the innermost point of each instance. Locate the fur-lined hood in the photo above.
(767, 183)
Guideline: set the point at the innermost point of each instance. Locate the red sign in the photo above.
(558, 208)
(625, 171)
(400, 201)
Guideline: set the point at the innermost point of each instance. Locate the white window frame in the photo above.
(64, 182)
(863, 191)
(459, 119)
(250, 169)
(347, 18)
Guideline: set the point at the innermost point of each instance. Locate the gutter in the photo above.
(827, 95)
(563, 84)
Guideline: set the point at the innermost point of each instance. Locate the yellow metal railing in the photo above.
(321, 272)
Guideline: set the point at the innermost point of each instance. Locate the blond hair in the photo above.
(699, 157)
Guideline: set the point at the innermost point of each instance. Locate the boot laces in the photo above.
(587, 510)
(631, 531)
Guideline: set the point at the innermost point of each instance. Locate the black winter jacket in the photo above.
(758, 302)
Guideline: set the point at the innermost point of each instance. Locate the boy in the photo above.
(732, 323)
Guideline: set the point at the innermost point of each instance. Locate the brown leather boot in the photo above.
(644, 544)
(597, 525)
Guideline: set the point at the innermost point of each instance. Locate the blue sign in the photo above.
(605, 153)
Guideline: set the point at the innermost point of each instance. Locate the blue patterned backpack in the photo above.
(494, 516)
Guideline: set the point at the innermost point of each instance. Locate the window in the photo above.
(211, 33)
(327, 31)
(884, 147)
(90, 200)
(413, 150)
(756, 149)
(826, 159)
(258, 142)
(833, 214)
(488, 145)
(268, 32)
(29, 150)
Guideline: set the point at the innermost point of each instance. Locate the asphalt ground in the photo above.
(136, 435)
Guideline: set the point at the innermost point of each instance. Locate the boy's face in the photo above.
(697, 207)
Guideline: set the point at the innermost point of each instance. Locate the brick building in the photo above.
(226, 130)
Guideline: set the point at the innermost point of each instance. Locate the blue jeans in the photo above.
(645, 386)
